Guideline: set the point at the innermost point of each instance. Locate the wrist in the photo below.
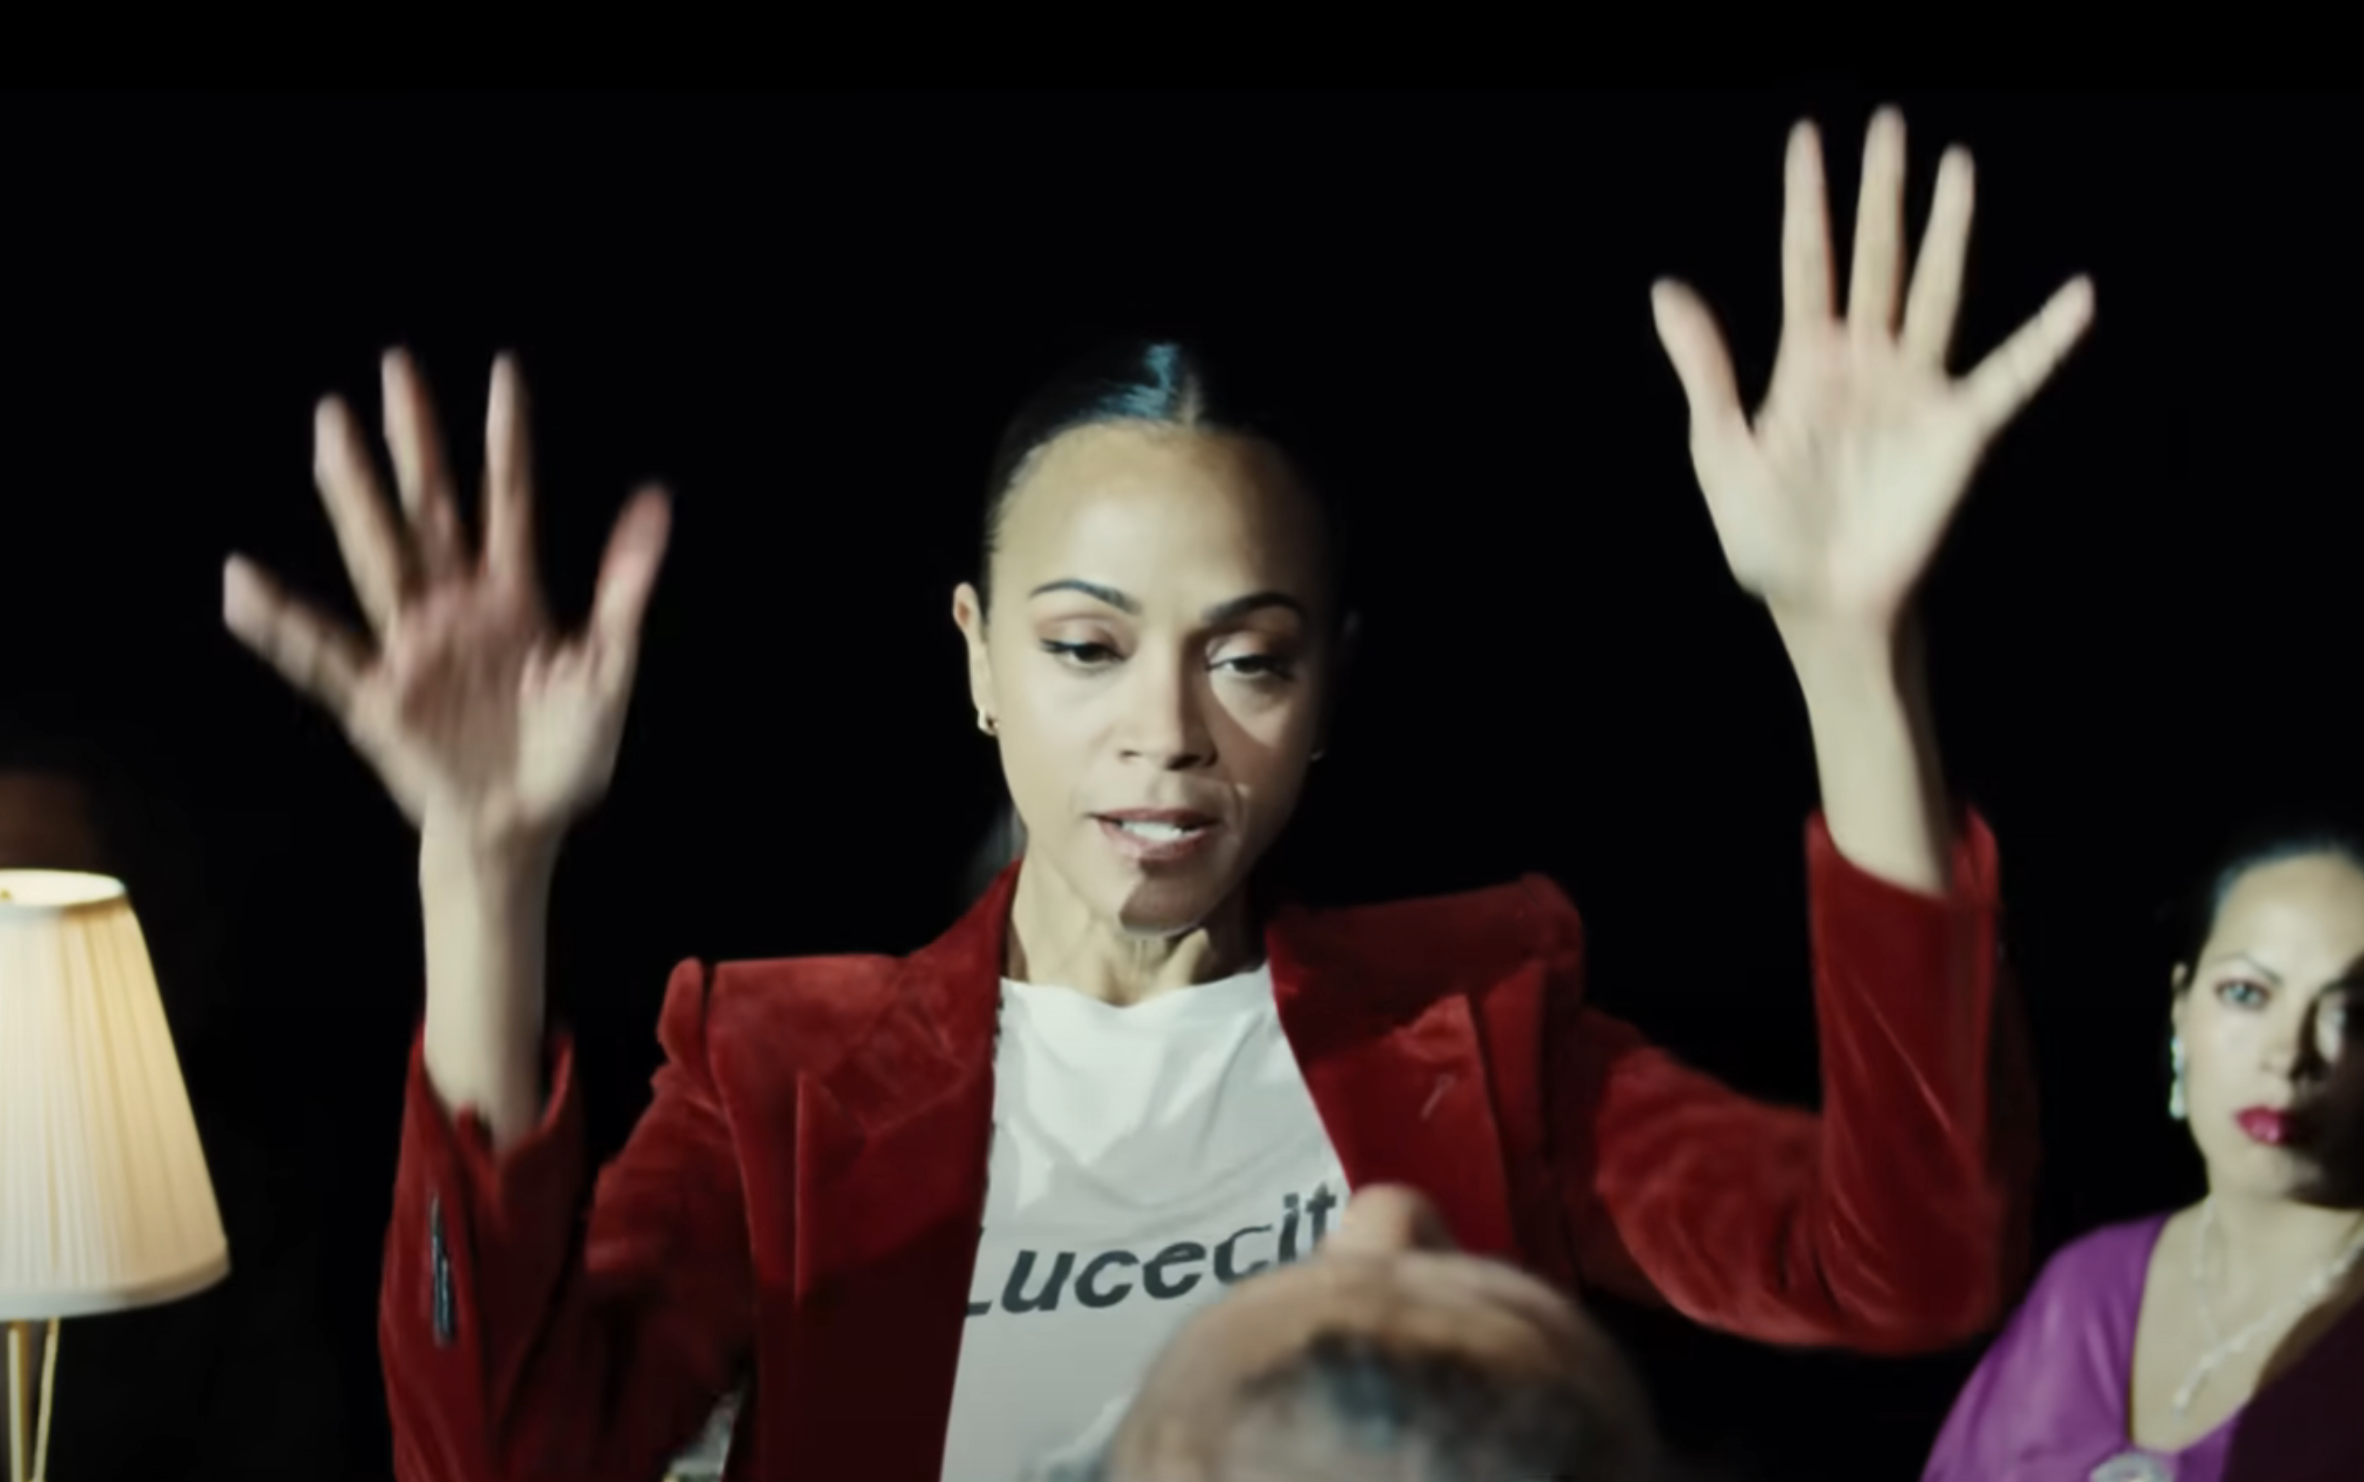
(1883, 789)
(1847, 659)
(486, 914)
(503, 871)
(488, 1059)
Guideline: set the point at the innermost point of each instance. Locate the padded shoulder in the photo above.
(798, 1010)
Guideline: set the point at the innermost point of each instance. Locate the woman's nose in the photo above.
(1163, 723)
(2280, 1053)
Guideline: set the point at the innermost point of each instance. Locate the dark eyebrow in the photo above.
(1216, 616)
(1240, 607)
(1093, 590)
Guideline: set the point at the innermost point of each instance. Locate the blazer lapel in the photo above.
(892, 1149)
(1397, 1070)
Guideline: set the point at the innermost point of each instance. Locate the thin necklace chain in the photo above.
(2222, 1349)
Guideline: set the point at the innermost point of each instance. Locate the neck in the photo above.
(1055, 937)
(2272, 1242)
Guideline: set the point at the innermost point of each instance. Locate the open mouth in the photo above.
(1142, 828)
(1157, 836)
(2265, 1125)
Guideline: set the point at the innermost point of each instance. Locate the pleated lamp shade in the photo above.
(105, 1202)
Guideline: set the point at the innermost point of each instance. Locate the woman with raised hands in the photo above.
(936, 1212)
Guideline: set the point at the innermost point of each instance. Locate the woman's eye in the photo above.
(1084, 655)
(2241, 994)
(1261, 666)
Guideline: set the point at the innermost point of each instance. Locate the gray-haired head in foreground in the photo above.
(1348, 1409)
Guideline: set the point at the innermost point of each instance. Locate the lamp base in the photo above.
(28, 1402)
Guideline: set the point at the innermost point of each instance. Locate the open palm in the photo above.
(1830, 502)
(478, 715)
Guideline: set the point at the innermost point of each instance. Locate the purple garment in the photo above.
(2049, 1403)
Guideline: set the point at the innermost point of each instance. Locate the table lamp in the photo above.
(105, 1203)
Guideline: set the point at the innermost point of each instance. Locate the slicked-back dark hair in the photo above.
(1163, 383)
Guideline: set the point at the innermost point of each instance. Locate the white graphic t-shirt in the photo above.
(1144, 1159)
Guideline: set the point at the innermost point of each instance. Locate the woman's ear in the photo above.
(968, 614)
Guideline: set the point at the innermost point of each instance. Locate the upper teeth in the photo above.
(1154, 830)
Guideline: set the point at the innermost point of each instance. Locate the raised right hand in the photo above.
(491, 729)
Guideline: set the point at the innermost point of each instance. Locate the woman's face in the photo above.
(2262, 1013)
(1155, 661)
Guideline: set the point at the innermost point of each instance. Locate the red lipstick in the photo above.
(2265, 1125)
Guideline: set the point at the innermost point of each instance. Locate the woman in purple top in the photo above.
(2222, 1341)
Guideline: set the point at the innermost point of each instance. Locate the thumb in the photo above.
(628, 573)
(1695, 345)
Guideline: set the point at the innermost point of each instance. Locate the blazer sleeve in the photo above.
(1897, 1219)
(525, 1337)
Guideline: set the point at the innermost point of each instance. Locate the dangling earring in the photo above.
(987, 724)
(2176, 1105)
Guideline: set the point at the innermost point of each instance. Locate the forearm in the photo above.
(1883, 788)
(487, 926)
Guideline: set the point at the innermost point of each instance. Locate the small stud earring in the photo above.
(2177, 1107)
(987, 724)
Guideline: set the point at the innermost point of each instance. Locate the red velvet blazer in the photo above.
(800, 1206)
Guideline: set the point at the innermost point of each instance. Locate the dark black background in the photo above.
(810, 316)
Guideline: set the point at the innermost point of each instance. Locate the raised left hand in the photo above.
(1831, 501)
